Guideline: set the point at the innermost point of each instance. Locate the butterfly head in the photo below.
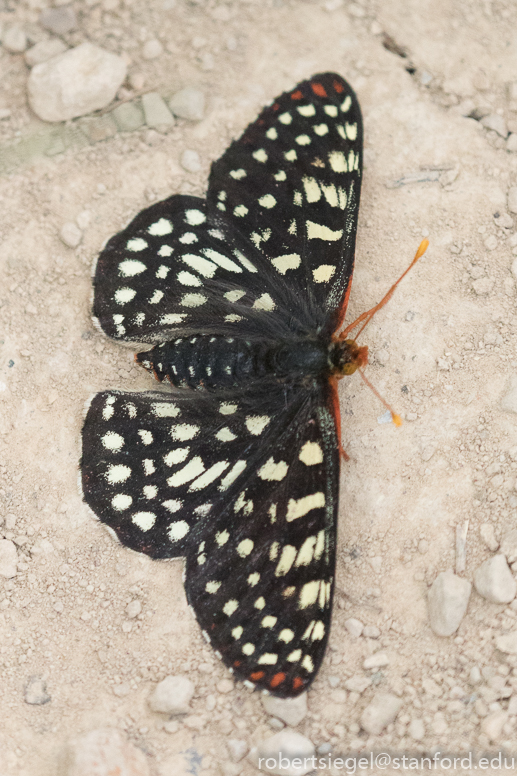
(346, 356)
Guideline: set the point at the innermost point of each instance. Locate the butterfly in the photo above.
(234, 463)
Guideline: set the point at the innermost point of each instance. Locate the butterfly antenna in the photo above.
(367, 316)
(395, 419)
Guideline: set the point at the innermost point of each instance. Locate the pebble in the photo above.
(487, 533)
(8, 558)
(289, 710)
(106, 751)
(133, 609)
(188, 103)
(45, 49)
(156, 112)
(494, 581)
(492, 725)
(70, 234)
(483, 286)
(128, 117)
(475, 676)
(380, 712)
(377, 660)
(509, 400)
(512, 199)
(371, 632)
(152, 49)
(416, 729)
(35, 692)
(172, 695)
(190, 161)
(59, 20)
(448, 599)
(358, 683)
(289, 745)
(100, 128)
(77, 82)
(225, 686)
(237, 749)
(14, 40)
(509, 546)
(511, 143)
(496, 123)
(354, 627)
(507, 643)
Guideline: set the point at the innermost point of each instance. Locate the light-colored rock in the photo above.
(8, 558)
(77, 82)
(14, 40)
(295, 750)
(133, 609)
(100, 128)
(104, 752)
(475, 676)
(483, 286)
(492, 725)
(152, 49)
(172, 695)
(509, 546)
(511, 143)
(358, 683)
(382, 709)
(128, 116)
(156, 113)
(509, 400)
(59, 20)
(494, 581)
(371, 632)
(44, 50)
(496, 123)
(35, 692)
(238, 748)
(225, 686)
(448, 599)
(190, 161)
(354, 627)
(188, 103)
(512, 199)
(289, 710)
(507, 643)
(70, 234)
(487, 533)
(377, 660)
(416, 729)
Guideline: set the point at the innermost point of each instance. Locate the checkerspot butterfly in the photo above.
(237, 468)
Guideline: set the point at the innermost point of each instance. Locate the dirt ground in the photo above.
(443, 355)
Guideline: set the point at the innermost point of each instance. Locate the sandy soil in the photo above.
(443, 354)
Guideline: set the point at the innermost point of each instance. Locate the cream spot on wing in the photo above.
(321, 129)
(145, 436)
(300, 507)
(319, 631)
(156, 297)
(233, 318)
(118, 473)
(303, 140)
(225, 435)
(309, 593)
(188, 238)
(227, 409)
(238, 174)
(285, 118)
(144, 520)
(221, 260)
(312, 190)
(272, 471)
(234, 296)
(273, 551)
(244, 548)
(121, 501)
(321, 232)
(280, 176)
(260, 603)
(194, 217)
(222, 537)
(172, 318)
(286, 262)
(201, 265)
(124, 295)
(244, 261)
(240, 211)
(337, 161)
(172, 505)
(294, 657)
(351, 131)
(308, 664)
(230, 607)
(260, 155)
(149, 467)
(286, 560)
(298, 199)
(345, 105)
(160, 227)
(272, 134)
(331, 194)
(291, 155)
(165, 409)
(286, 635)
(253, 579)
(131, 267)
(150, 491)
(232, 475)
(184, 431)
(165, 250)
(289, 591)
(330, 110)
(268, 201)
(311, 454)
(248, 649)
(203, 509)
(178, 530)
(306, 552)
(136, 244)
(193, 300)
(192, 469)
(307, 110)
(209, 476)
(162, 272)
(237, 632)
(272, 513)
(257, 423)
(352, 159)
(112, 441)
(267, 659)
(212, 587)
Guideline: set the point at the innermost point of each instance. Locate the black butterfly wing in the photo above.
(291, 185)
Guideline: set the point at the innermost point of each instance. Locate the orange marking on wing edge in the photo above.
(337, 416)
(319, 90)
(256, 676)
(338, 87)
(236, 663)
(297, 682)
(296, 95)
(277, 679)
(275, 106)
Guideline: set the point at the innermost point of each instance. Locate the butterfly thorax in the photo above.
(216, 362)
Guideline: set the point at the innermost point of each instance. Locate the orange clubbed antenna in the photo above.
(367, 316)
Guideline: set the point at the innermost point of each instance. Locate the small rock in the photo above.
(509, 543)
(83, 220)
(156, 111)
(448, 599)
(77, 82)
(512, 199)
(492, 726)
(371, 632)
(100, 128)
(416, 729)
(195, 722)
(483, 286)
(190, 161)
(487, 533)
(45, 49)
(358, 683)
(354, 627)
(128, 117)
(225, 686)
(377, 660)
(172, 695)
(507, 643)
(106, 751)
(237, 748)
(475, 676)
(8, 559)
(440, 724)
(70, 234)
(14, 40)
(496, 123)
(382, 709)
(133, 609)
(503, 220)
(188, 103)
(295, 750)
(494, 581)
(491, 243)
(121, 690)
(509, 400)
(35, 692)
(172, 726)
(511, 143)
(152, 49)
(289, 710)
(59, 20)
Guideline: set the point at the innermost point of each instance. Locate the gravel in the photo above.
(156, 113)
(190, 161)
(70, 234)
(380, 712)
(106, 751)
(133, 609)
(289, 745)
(35, 692)
(511, 143)
(416, 729)
(59, 20)
(188, 103)
(238, 748)
(14, 40)
(371, 632)
(128, 117)
(487, 533)
(358, 683)
(494, 581)
(354, 627)
(289, 710)
(507, 643)
(44, 50)
(8, 558)
(172, 695)
(496, 123)
(152, 49)
(377, 660)
(492, 725)
(448, 599)
(509, 546)
(77, 82)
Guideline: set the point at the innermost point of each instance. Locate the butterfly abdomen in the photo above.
(217, 362)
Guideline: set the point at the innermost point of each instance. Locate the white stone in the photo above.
(35, 693)
(157, 115)
(496, 123)
(492, 726)
(295, 749)
(172, 695)
(358, 683)
(133, 609)
(448, 599)
(289, 710)
(77, 82)
(238, 748)
(380, 712)
(8, 558)
(511, 143)
(416, 729)
(188, 103)
(14, 40)
(509, 400)
(152, 49)
(106, 751)
(494, 581)
(371, 632)
(190, 161)
(507, 643)
(487, 533)
(512, 199)
(44, 50)
(354, 627)
(377, 660)
(483, 286)
(475, 676)
(70, 234)
(509, 545)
